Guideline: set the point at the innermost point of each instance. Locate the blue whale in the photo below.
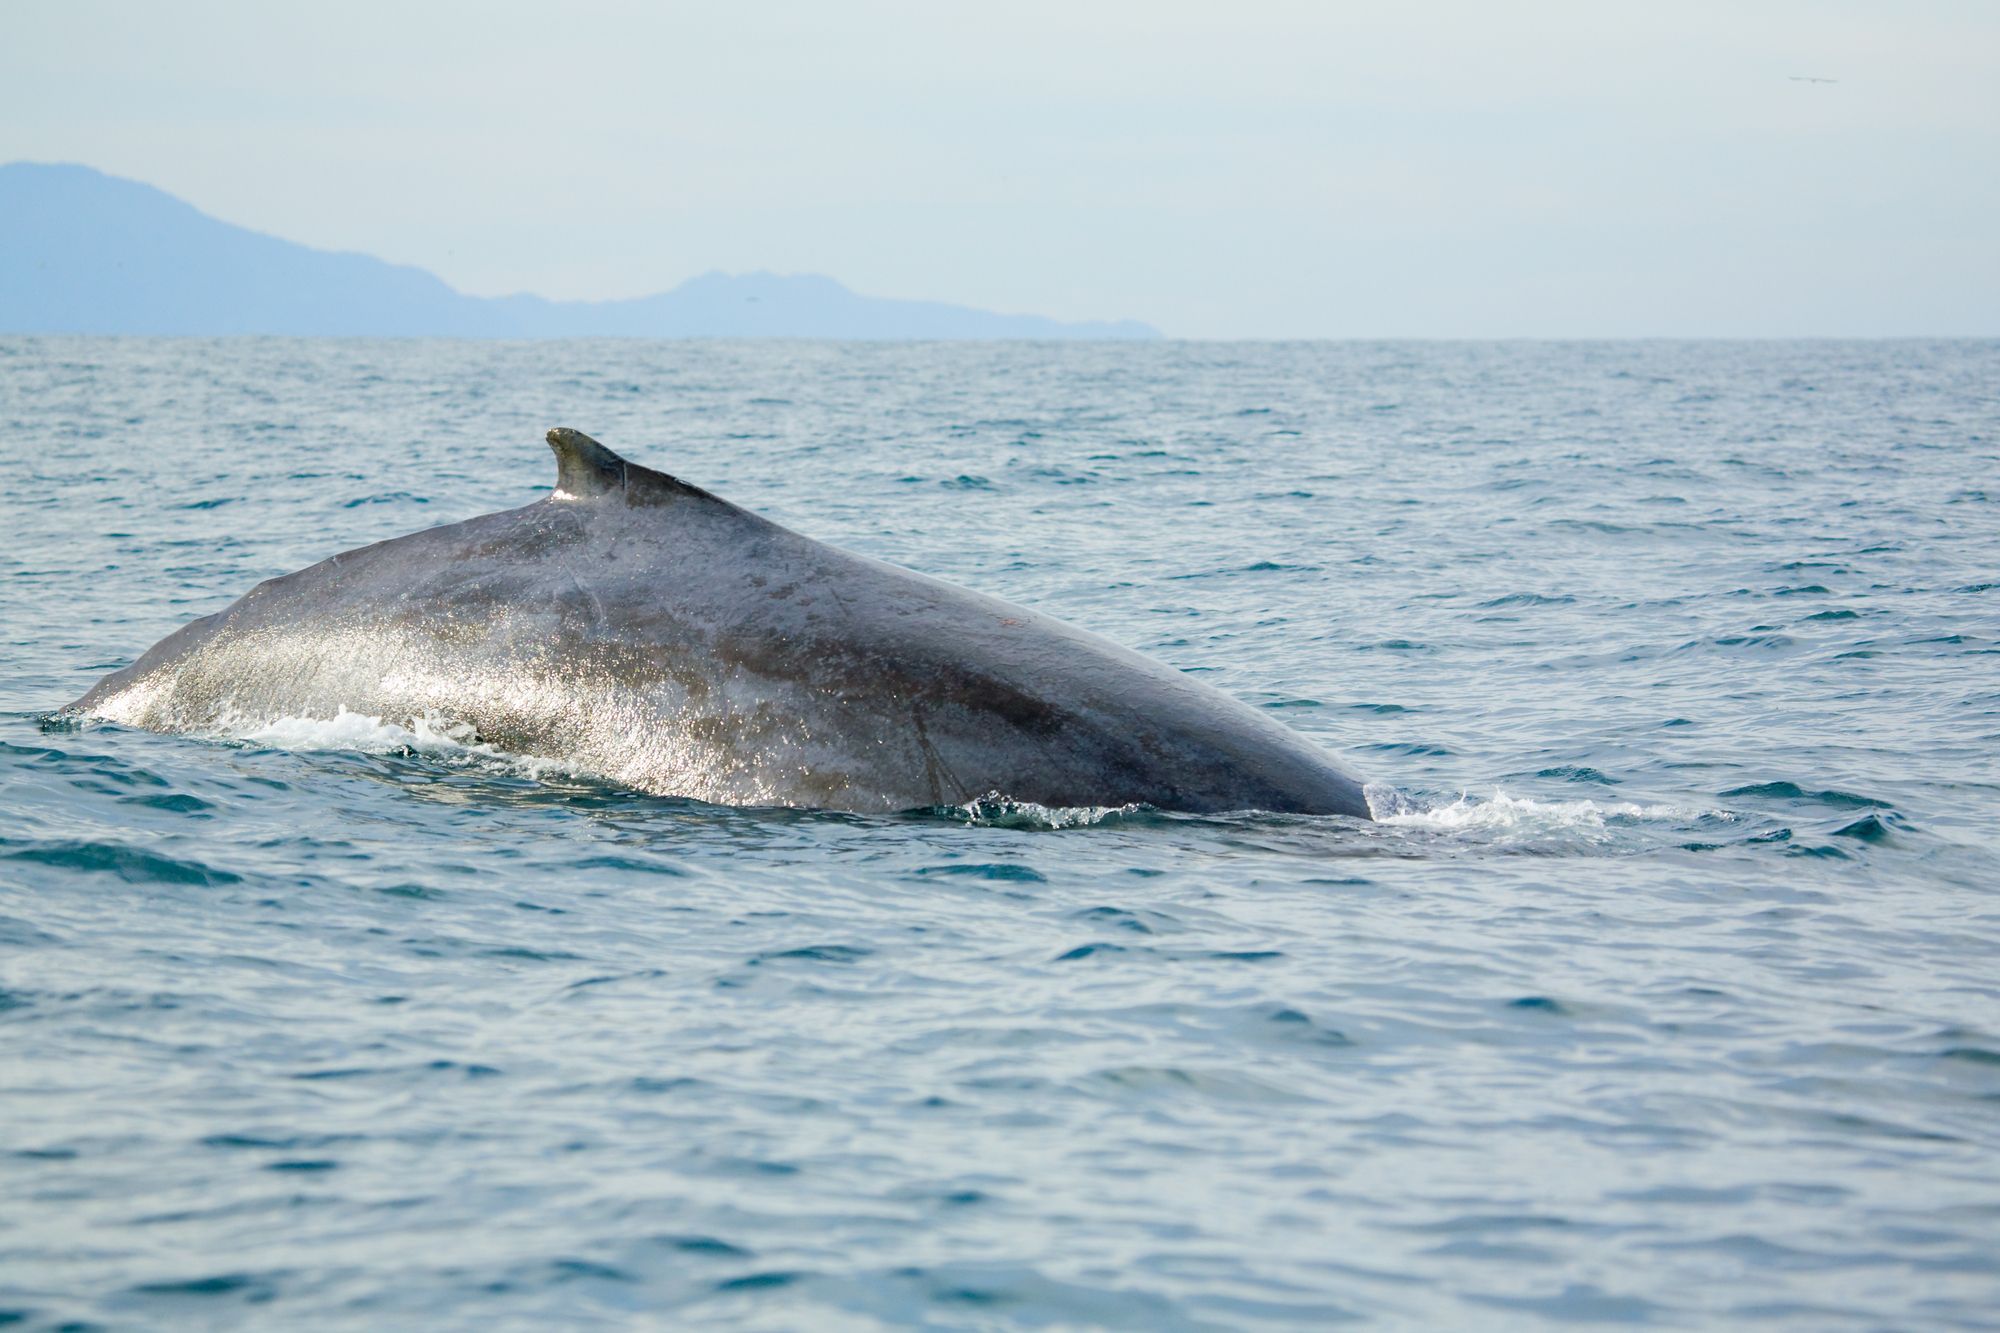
(642, 630)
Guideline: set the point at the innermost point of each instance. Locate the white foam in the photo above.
(360, 733)
(1522, 815)
(996, 811)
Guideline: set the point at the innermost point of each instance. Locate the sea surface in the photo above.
(1665, 991)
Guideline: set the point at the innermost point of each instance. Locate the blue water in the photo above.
(1668, 992)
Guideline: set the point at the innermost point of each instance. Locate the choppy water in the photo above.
(1668, 992)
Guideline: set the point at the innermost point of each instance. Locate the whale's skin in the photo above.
(642, 630)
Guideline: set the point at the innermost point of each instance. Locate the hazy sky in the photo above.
(1232, 169)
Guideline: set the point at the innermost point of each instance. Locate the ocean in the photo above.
(1664, 991)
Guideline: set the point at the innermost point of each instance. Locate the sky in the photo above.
(1228, 169)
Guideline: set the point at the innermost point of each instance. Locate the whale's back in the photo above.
(643, 629)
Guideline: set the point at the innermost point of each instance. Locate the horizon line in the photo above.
(1151, 341)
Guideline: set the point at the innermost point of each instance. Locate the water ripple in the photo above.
(1660, 992)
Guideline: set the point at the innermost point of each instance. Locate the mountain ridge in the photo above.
(82, 251)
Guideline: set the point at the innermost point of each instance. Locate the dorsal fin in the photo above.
(585, 469)
(583, 466)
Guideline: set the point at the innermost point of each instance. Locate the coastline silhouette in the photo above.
(85, 252)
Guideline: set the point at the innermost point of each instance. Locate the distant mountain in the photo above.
(83, 252)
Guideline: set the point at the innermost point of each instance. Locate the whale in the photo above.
(635, 628)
